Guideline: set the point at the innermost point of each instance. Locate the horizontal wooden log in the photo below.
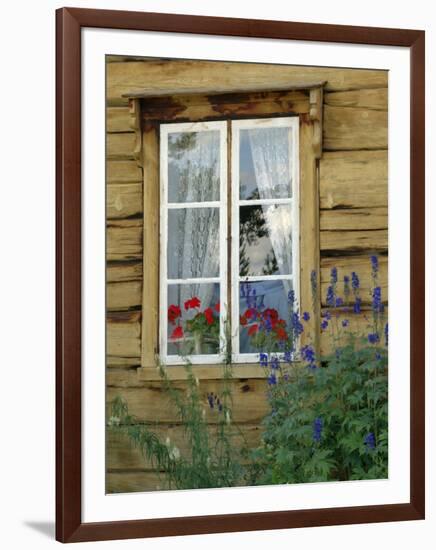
(359, 326)
(152, 404)
(118, 119)
(118, 362)
(335, 242)
(347, 128)
(360, 265)
(209, 372)
(354, 179)
(124, 200)
(131, 482)
(123, 295)
(123, 271)
(120, 146)
(365, 99)
(124, 240)
(159, 75)
(123, 171)
(354, 218)
(123, 455)
(123, 336)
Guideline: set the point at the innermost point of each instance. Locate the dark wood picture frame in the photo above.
(69, 526)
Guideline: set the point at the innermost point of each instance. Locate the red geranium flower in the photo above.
(174, 312)
(177, 332)
(281, 333)
(208, 313)
(192, 303)
(216, 307)
(271, 314)
(250, 313)
(253, 329)
(243, 320)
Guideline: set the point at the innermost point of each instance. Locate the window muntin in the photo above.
(264, 221)
(193, 232)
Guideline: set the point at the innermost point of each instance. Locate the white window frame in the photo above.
(236, 279)
(165, 130)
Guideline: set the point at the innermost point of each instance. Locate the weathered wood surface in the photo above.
(158, 75)
(123, 171)
(123, 271)
(123, 200)
(120, 146)
(124, 240)
(123, 455)
(354, 218)
(123, 334)
(348, 128)
(359, 326)
(211, 372)
(131, 482)
(123, 295)
(118, 119)
(365, 99)
(335, 242)
(150, 403)
(360, 265)
(119, 362)
(354, 179)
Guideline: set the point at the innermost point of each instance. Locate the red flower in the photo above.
(243, 320)
(250, 313)
(216, 307)
(208, 313)
(281, 333)
(271, 314)
(177, 333)
(192, 303)
(253, 329)
(174, 312)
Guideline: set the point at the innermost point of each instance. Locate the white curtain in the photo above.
(197, 237)
(270, 154)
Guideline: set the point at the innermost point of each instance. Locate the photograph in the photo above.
(246, 274)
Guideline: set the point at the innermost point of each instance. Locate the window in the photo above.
(228, 231)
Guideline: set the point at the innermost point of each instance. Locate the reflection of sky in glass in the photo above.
(248, 188)
(268, 294)
(193, 166)
(265, 240)
(209, 295)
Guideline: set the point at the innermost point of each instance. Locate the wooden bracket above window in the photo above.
(135, 124)
(315, 114)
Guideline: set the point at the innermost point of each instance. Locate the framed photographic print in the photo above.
(240, 274)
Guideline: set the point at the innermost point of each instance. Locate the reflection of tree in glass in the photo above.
(252, 228)
(271, 265)
(178, 144)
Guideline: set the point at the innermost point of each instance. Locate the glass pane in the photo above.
(264, 163)
(193, 319)
(265, 240)
(193, 243)
(264, 315)
(194, 166)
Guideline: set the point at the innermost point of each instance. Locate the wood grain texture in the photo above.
(123, 171)
(123, 271)
(160, 75)
(118, 119)
(367, 99)
(123, 200)
(120, 146)
(335, 242)
(123, 334)
(124, 240)
(354, 179)
(349, 128)
(354, 218)
(123, 295)
(360, 265)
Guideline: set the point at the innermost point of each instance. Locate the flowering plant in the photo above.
(195, 328)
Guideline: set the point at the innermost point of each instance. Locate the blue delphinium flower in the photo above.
(324, 324)
(377, 305)
(334, 276)
(346, 287)
(373, 338)
(313, 283)
(330, 298)
(374, 264)
(355, 283)
(272, 379)
(370, 441)
(345, 323)
(296, 325)
(287, 356)
(378, 356)
(286, 377)
(308, 353)
(386, 334)
(263, 360)
(357, 305)
(211, 400)
(291, 297)
(274, 363)
(306, 316)
(318, 425)
(339, 301)
(326, 315)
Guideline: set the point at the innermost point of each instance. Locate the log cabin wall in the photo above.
(353, 225)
